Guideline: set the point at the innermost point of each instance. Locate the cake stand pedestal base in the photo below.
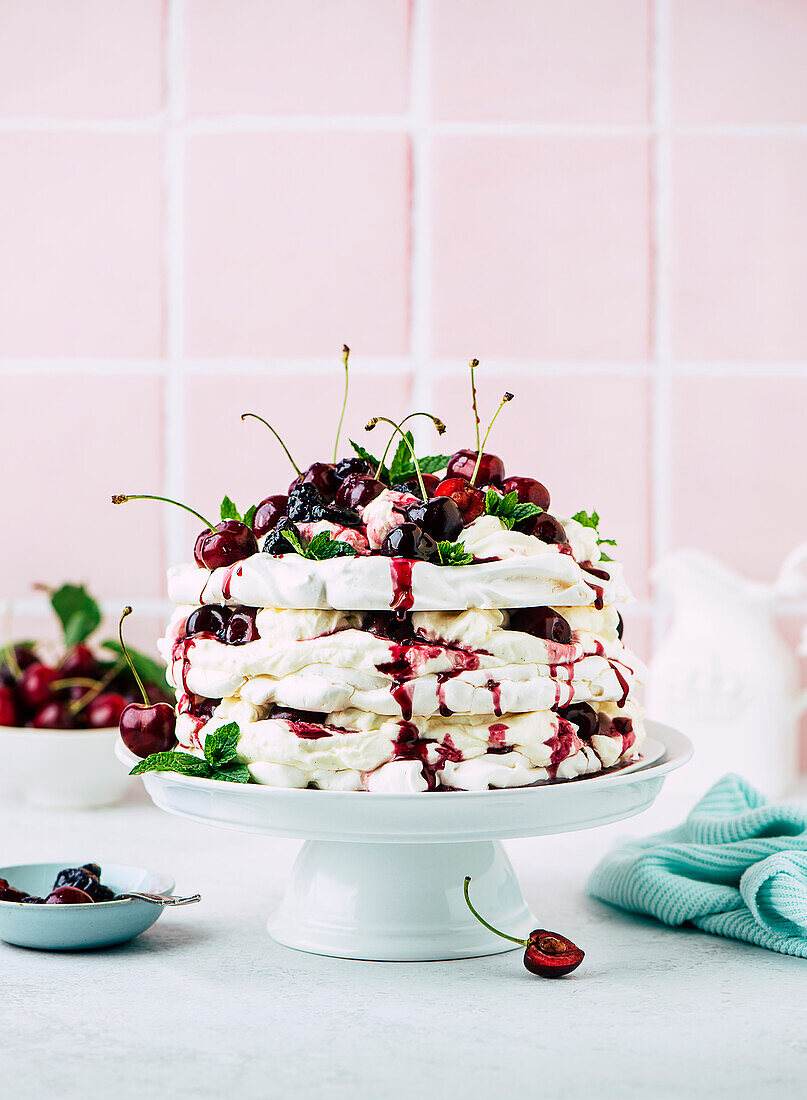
(400, 902)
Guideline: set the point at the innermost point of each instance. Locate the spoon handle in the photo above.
(158, 899)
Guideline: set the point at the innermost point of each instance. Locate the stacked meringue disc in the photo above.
(386, 670)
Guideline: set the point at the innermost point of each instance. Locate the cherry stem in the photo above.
(121, 498)
(255, 416)
(480, 450)
(128, 611)
(96, 688)
(345, 357)
(504, 936)
(473, 365)
(438, 424)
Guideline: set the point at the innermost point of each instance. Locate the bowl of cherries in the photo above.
(60, 707)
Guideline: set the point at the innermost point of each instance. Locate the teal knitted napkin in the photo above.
(737, 867)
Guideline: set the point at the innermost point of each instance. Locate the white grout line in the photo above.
(174, 397)
(420, 293)
(661, 426)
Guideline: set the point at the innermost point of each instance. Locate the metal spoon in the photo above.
(157, 899)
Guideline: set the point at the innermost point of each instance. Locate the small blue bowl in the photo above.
(79, 927)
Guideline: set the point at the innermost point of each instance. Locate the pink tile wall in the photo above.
(200, 201)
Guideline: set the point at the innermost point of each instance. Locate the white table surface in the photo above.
(205, 1004)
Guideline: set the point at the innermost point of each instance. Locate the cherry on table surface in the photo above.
(529, 491)
(34, 686)
(541, 622)
(439, 517)
(54, 716)
(79, 661)
(268, 513)
(8, 707)
(470, 501)
(463, 463)
(407, 540)
(68, 895)
(208, 619)
(145, 729)
(104, 710)
(357, 491)
(231, 541)
(547, 954)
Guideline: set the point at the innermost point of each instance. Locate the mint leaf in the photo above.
(181, 762)
(221, 746)
(402, 461)
(372, 460)
(320, 548)
(149, 671)
(593, 521)
(432, 463)
(78, 612)
(525, 511)
(508, 510)
(234, 773)
(249, 515)
(453, 553)
(228, 509)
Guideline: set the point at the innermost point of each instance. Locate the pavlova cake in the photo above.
(398, 624)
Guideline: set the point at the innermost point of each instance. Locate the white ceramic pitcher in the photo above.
(724, 675)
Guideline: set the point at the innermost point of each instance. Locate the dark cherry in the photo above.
(620, 625)
(462, 464)
(583, 717)
(547, 954)
(232, 541)
(79, 661)
(241, 628)
(21, 657)
(208, 619)
(357, 491)
(529, 491)
(269, 513)
(146, 730)
(439, 517)
(471, 502)
(82, 878)
(289, 714)
(34, 685)
(322, 475)
(541, 622)
(53, 716)
(68, 895)
(546, 528)
(387, 625)
(9, 893)
(8, 707)
(348, 467)
(275, 543)
(104, 710)
(412, 485)
(407, 540)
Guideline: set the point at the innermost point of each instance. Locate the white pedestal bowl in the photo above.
(381, 875)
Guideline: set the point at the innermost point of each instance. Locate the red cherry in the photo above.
(68, 895)
(232, 541)
(10, 893)
(541, 622)
(105, 710)
(54, 716)
(546, 528)
(8, 707)
(529, 491)
(146, 730)
(79, 661)
(322, 475)
(357, 490)
(547, 954)
(268, 513)
(471, 502)
(35, 684)
(463, 463)
(241, 628)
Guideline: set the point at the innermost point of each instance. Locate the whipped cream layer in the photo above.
(526, 573)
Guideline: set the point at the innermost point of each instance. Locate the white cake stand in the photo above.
(381, 875)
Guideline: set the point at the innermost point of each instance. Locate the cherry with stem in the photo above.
(145, 728)
(507, 397)
(266, 423)
(122, 498)
(474, 363)
(547, 954)
(345, 357)
(438, 424)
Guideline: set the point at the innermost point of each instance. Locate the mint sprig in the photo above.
(593, 521)
(228, 510)
(453, 553)
(320, 548)
(507, 508)
(220, 762)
